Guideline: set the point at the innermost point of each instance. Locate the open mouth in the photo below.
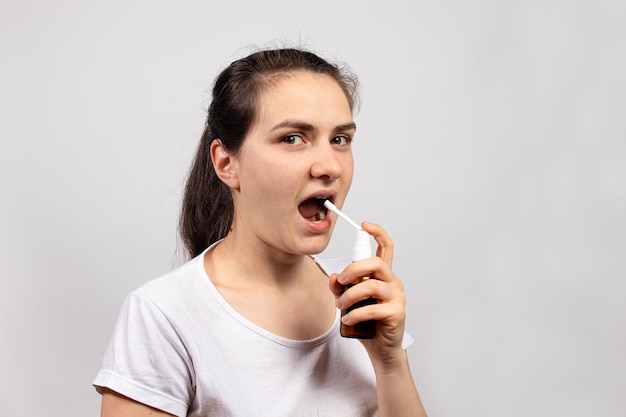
(313, 209)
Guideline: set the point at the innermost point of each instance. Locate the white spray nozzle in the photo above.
(330, 206)
(362, 248)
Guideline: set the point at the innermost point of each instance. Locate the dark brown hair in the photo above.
(207, 207)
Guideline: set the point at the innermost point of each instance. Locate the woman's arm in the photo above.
(117, 405)
(397, 394)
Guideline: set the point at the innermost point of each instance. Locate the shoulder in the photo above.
(178, 279)
(172, 293)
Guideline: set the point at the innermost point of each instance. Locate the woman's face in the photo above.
(297, 153)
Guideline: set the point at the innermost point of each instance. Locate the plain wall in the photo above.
(491, 145)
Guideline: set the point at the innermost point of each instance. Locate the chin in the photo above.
(314, 245)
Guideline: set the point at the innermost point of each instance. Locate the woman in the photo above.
(248, 327)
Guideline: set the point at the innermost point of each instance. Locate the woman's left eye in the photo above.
(341, 140)
(292, 139)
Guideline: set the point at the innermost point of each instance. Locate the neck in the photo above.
(256, 262)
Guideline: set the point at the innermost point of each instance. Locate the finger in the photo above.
(385, 244)
(335, 287)
(373, 267)
(371, 288)
(390, 315)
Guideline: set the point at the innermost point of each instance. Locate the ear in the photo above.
(224, 164)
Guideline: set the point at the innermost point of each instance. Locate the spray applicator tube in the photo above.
(361, 250)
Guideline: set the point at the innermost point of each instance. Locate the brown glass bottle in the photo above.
(361, 330)
(365, 329)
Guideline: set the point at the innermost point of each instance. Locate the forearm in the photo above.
(397, 394)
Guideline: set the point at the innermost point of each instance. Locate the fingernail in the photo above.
(341, 278)
(339, 302)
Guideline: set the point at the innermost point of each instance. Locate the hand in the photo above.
(387, 289)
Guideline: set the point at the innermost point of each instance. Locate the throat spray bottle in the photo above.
(362, 250)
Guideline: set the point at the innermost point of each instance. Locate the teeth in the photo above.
(319, 217)
(321, 213)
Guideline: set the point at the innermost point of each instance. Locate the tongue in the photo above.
(309, 208)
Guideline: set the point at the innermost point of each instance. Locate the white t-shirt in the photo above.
(180, 347)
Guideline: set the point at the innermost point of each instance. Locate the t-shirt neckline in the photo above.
(295, 343)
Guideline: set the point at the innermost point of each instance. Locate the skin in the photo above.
(116, 405)
(299, 146)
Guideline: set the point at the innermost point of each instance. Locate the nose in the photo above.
(327, 162)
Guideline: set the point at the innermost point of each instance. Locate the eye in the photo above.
(341, 140)
(292, 139)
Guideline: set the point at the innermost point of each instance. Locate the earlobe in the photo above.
(224, 164)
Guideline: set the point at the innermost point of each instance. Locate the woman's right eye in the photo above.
(292, 139)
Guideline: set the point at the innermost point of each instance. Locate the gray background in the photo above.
(491, 146)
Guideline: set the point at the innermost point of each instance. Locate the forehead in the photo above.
(303, 94)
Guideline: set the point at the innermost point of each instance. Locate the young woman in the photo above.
(250, 325)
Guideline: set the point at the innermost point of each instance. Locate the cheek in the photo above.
(348, 169)
(266, 177)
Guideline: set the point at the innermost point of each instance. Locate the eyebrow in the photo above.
(309, 127)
